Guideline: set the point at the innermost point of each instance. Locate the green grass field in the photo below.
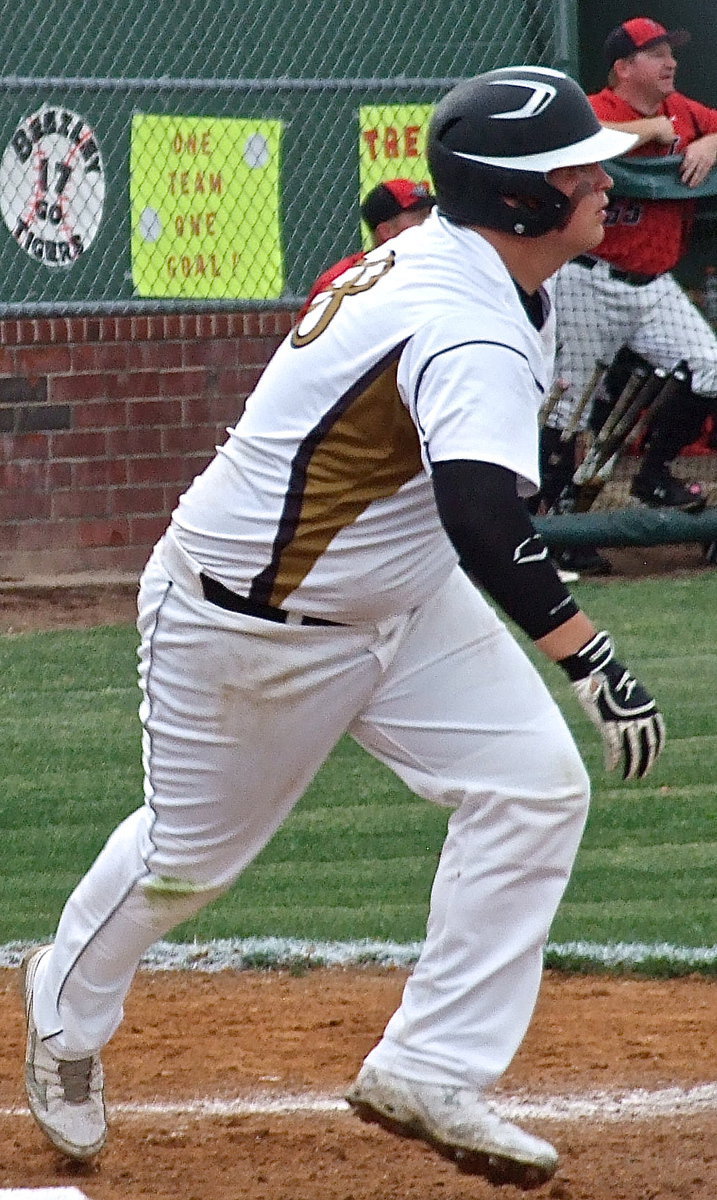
(357, 857)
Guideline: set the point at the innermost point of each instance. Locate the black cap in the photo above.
(393, 197)
(638, 34)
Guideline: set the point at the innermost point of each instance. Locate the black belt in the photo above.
(635, 278)
(216, 593)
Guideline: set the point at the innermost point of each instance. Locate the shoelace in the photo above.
(75, 1078)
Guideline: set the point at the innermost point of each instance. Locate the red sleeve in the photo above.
(704, 118)
(328, 276)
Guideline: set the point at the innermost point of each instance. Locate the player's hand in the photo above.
(698, 161)
(631, 725)
(662, 131)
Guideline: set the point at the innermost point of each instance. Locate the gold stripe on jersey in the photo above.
(365, 451)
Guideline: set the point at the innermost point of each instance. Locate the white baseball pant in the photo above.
(238, 715)
(597, 314)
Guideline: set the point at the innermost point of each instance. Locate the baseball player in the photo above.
(623, 292)
(387, 210)
(319, 578)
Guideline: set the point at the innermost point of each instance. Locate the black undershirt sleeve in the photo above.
(496, 541)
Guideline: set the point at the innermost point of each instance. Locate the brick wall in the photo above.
(103, 423)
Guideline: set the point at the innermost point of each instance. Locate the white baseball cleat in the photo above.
(66, 1096)
(456, 1122)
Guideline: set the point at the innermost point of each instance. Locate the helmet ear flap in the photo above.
(550, 211)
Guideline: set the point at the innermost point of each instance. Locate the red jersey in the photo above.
(327, 277)
(651, 235)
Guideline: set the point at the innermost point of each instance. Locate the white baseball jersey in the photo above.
(321, 499)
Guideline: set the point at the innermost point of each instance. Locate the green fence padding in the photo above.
(628, 527)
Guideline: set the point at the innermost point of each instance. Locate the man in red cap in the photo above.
(387, 210)
(623, 293)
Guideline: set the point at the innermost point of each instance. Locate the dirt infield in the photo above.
(251, 1036)
(203, 1061)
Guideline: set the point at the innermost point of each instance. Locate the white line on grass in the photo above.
(638, 1104)
(255, 952)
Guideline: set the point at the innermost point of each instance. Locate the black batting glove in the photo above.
(631, 725)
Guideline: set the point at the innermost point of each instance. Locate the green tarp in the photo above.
(659, 179)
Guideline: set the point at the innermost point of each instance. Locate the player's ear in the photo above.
(620, 68)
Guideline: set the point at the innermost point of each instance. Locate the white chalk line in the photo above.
(239, 954)
(638, 1104)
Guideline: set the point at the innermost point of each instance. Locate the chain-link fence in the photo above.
(209, 153)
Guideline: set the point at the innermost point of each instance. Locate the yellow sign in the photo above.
(392, 144)
(204, 195)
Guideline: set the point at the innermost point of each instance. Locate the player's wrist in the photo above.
(594, 656)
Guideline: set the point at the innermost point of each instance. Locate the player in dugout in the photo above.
(623, 293)
(388, 209)
(334, 571)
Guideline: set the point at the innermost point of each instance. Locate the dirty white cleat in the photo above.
(456, 1122)
(66, 1096)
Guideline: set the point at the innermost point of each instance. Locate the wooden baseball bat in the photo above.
(634, 383)
(621, 421)
(673, 384)
(588, 393)
(568, 500)
(659, 389)
(557, 390)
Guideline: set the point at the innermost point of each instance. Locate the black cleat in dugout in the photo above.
(493, 139)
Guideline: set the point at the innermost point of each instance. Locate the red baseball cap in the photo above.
(638, 34)
(393, 197)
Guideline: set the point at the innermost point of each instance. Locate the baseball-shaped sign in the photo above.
(52, 186)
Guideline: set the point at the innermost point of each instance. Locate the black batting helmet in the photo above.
(497, 136)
